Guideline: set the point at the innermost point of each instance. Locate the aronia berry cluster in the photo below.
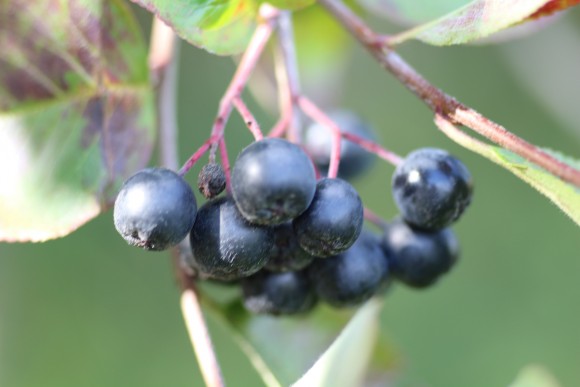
(291, 239)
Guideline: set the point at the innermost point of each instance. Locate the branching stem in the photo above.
(248, 118)
(442, 103)
(247, 64)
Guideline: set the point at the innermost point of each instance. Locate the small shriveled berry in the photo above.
(211, 180)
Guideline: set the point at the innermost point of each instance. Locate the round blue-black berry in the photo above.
(333, 221)
(431, 188)
(155, 209)
(278, 293)
(225, 245)
(352, 277)
(273, 181)
(418, 258)
(287, 255)
(354, 160)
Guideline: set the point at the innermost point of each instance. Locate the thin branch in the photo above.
(442, 103)
(248, 118)
(373, 147)
(163, 62)
(288, 78)
(248, 62)
(198, 154)
(375, 219)
(199, 336)
(225, 163)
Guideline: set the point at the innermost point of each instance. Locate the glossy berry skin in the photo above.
(226, 246)
(211, 180)
(354, 160)
(333, 221)
(278, 293)
(418, 258)
(352, 277)
(287, 255)
(431, 188)
(155, 209)
(273, 181)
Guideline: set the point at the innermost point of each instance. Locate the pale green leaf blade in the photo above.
(345, 362)
(535, 376)
(76, 113)
(304, 339)
(476, 20)
(564, 195)
(222, 27)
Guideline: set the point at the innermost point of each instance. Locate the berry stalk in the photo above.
(247, 64)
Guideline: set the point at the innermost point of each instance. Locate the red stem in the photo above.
(248, 118)
(247, 64)
(375, 148)
(375, 219)
(311, 110)
(197, 155)
(225, 163)
(442, 103)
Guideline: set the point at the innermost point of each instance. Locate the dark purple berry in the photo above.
(273, 181)
(333, 221)
(225, 245)
(211, 180)
(278, 293)
(287, 255)
(418, 258)
(155, 209)
(354, 160)
(352, 277)
(431, 188)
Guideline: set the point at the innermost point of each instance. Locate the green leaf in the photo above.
(535, 376)
(290, 4)
(76, 113)
(304, 339)
(323, 60)
(412, 12)
(222, 27)
(346, 360)
(564, 195)
(476, 20)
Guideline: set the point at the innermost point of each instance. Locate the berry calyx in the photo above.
(431, 188)
(273, 181)
(155, 209)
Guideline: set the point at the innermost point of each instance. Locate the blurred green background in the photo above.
(87, 310)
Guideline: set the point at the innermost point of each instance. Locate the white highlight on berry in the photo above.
(414, 177)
